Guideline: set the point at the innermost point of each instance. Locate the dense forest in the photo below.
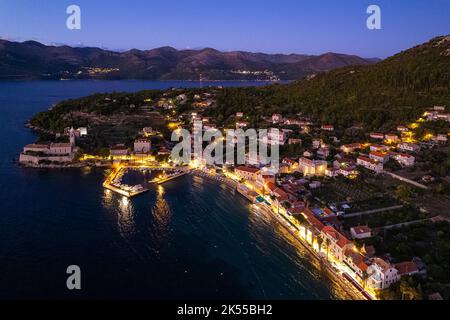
(393, 91)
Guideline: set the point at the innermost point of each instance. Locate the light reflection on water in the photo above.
(209, 210)
(161, 214)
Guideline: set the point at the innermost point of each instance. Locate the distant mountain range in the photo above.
(33, 60)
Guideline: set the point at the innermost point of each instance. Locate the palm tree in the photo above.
(320, 242)
(365, 277)
(327, 242)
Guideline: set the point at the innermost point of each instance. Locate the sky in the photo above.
(271, 26)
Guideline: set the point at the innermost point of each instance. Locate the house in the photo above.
(247, 173)
(370, 164)
(355, 261)
(53, 152)
(406, 268)
(327, 127)
(348, 172)
(323, 153)
(379, 148)
(314, 227)
(406, 146)
(277, 118)
(274, 137)
(352, 147)
(379, 156)
(241, 124)
(119, 150)
(404, 159)
(391, 138)
(361, 232)
(308, 154)
(149, 131)
(316, 143)
(337, 243)
(377, 136)
(312, 167)
(142, 145)
(165, 152)
(441, 138)
(381, 274)
(239, 114)
(263, 179)
(292, 165)
(294, 141)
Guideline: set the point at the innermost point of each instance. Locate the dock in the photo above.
(169, 177)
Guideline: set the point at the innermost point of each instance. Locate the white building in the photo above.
(247, 173)
(370, 164)
(274, 137)
(406, 146)
(142, 145)
(404, 159)
(379, 156)
(312, 167)
(277, 118)
(381, 274)
(361, 232)
(35, 154)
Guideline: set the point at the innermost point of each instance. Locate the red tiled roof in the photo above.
(361, 229)
(312, 219)
(378, 154)
(340, 239)
(247, 169)
(406, 267)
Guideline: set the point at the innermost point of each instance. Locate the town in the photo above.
(343, 198)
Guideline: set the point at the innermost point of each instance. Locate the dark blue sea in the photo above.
(192, 238)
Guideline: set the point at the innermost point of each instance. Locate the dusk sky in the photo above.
(272, 26)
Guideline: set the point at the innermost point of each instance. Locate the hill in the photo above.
(33, 60)
(393, 91)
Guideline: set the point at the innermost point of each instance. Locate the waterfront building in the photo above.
(337, 243)
(142, 145)
(381, 274)
(35, 154)
(247, 173)
(355, 261)
(312, 167)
